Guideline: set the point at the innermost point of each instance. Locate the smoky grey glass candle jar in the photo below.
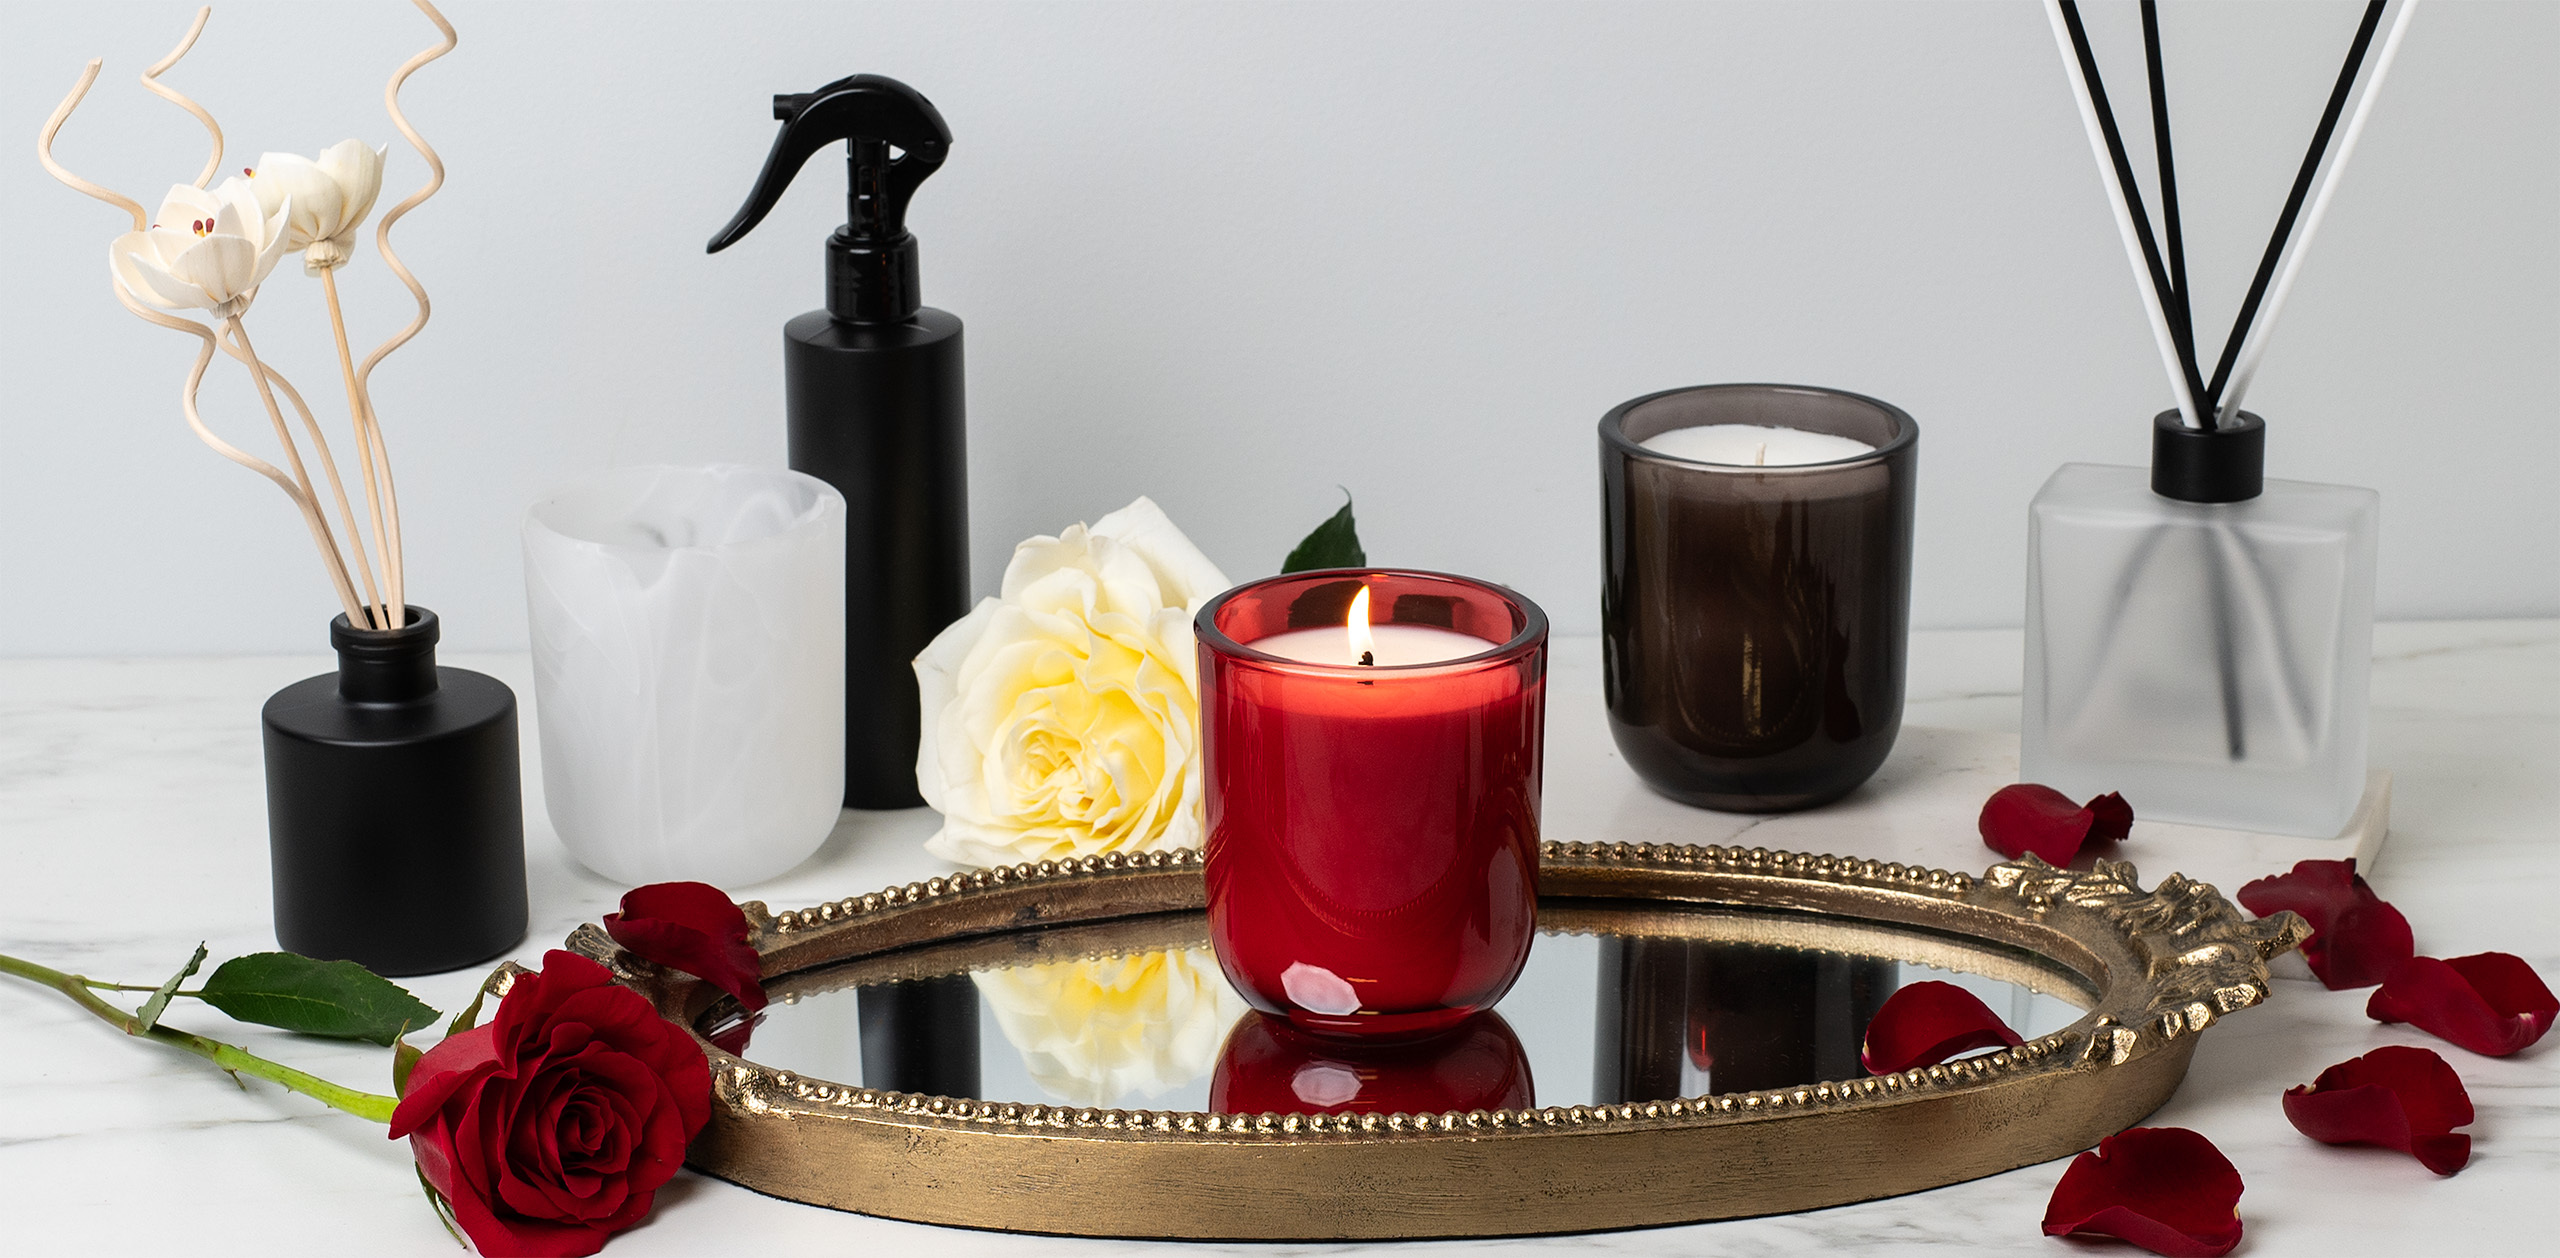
(1756, 595)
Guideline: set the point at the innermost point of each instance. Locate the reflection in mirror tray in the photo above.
(1050, 1048)
(1620, 1002)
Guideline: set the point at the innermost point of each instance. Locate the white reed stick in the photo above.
(151, 80)
(2151, 300)
(44, 153)
(356, 615)
(2253, 348)
(417, 291)
(187, 403)
(367, 440)
(328, 463)
(329, 559)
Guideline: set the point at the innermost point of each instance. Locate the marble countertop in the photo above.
(132, 825)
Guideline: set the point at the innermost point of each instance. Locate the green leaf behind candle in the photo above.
(338, 999)
(1334, 544)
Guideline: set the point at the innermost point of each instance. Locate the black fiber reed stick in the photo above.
(2172, 236)
(2210, 399)
(2133, 199)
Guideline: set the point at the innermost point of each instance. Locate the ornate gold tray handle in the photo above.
(2164, 965)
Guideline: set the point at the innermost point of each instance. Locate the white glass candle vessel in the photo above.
(2210, 660)
(688, 653)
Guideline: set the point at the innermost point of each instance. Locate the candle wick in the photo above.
(1760, 457)
(1368, 657)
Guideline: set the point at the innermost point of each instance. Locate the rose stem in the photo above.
(356, 616)
(366, 1105)
(382, 244)
(329, 464)
(366, 439)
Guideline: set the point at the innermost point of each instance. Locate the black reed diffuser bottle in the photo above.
(394, 814)
(873, 383)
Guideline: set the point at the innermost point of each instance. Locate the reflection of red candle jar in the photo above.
(1372, 827)
(1269, 1067)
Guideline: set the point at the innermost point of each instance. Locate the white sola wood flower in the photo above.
(207, 250)
(1061, 719)
(329, 198)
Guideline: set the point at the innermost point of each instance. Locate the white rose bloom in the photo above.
(1062, 718)
(330, 198)
(1108, 1031)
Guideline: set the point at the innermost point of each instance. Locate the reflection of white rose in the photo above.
(1061, 719)
(1099, 1032)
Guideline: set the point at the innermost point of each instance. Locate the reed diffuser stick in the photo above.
(2293, 200)
(368, 441)
(2254, 349)
(2150, 277)
(195, 420)
(330, 561)
(356, 615)
(151, 80)
(328, 461)
(417, 291)
(2182, 312)
(44, 153)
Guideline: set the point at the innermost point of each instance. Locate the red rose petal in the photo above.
(2165, 1189)
(693, 927)
(2028, 818)
(2490, 1002)
(1925, 1023)
(2357, 938)
(2399, 1097)
(2112, 818)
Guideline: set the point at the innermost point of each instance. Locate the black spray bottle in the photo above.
(874, 388)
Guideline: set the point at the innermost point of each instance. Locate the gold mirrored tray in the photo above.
(1045, 1049)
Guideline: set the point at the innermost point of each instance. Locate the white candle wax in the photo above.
(1752, 445)
(1395, 644)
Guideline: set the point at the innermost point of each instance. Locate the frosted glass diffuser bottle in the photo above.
(2201, 638)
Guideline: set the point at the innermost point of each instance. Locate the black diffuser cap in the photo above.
(871, 260)
(386, 665)
(2226, 464)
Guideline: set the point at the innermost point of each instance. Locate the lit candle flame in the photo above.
(1364, 648)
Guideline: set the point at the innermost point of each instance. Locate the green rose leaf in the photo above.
(1334, 544)
(148, 1016)
(338, 999)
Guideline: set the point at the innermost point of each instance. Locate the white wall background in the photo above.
(1234, 255)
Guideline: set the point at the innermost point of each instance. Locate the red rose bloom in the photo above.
(553, 1126)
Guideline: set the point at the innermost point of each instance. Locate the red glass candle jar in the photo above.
(1372, 829)
(1269, 1067)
